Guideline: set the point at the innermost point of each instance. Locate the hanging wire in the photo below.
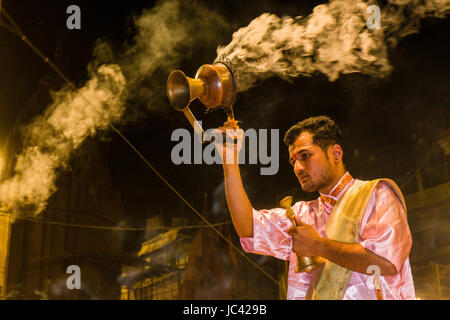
(8, 27)
(56, 69)
(87, 226)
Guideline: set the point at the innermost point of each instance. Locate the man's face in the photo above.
(314, 170)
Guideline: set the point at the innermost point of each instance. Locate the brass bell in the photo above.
(304, 264)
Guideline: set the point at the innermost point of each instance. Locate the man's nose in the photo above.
(298, 167)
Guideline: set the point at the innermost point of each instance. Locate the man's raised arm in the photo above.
(241, 209)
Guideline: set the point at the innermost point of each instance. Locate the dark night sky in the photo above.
(372, 113)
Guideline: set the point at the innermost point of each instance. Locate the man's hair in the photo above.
(325, 132)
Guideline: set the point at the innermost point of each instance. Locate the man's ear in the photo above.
(337, 153)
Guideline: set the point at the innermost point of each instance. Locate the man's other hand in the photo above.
(305, 239)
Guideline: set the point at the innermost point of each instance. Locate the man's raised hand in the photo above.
(228, 143)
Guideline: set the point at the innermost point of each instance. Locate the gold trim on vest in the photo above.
(337, 190)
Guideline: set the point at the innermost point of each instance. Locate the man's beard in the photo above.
(323, 178)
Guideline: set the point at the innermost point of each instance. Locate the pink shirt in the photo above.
(384, 231)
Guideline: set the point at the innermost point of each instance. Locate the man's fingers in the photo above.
(235, 134)
(216, 131)
(228, 135)
(216, 136)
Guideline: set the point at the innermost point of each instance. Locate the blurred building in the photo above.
(160, 263)
(429, 218)
(193, 264)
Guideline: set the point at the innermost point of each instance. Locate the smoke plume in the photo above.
(333, 40)
(53, 137)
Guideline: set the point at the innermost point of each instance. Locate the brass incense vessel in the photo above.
(213, 85)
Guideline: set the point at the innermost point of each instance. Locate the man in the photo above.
(368, 229)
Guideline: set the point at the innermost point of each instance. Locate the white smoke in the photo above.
(167, 33)
(333, 40)
(52, 138)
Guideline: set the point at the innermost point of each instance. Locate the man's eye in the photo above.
(304, 156)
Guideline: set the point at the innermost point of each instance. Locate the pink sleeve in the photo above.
(270, 235)
(386, 232)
